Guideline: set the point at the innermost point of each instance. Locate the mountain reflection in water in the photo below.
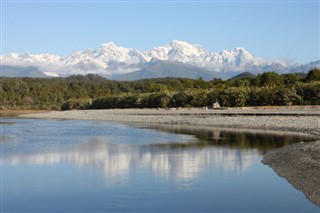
(177, 161)
(232, 151)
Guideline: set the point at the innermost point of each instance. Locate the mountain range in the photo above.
(176, 59)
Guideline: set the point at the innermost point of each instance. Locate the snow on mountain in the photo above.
(237, 57)
(197, 56)
(27, 58)
(180, 51)
(109, 59)
(110, 52)
(112, 59)
(105, 58)
(51, 74)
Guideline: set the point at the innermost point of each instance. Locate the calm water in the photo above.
(88, 166)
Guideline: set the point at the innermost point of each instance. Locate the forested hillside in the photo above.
(95, 92)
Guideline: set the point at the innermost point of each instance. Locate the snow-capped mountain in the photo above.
(104, 58)
(180, 51)
(197, 56)
(27, 58)
(109, 60)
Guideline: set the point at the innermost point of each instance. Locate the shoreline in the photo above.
(304, 120)
(298, 163)
(15, 113)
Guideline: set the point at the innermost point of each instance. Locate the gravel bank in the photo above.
(298, 163)
(304, 120)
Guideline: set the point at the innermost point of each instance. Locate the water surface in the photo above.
(90, 166)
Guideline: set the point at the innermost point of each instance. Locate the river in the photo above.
(96, 166)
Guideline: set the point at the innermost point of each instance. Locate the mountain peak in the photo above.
(239, 49)
(237, 54)
(108, 44)
(180, 51)
(179, 43)
(176, 44)
(244, 53)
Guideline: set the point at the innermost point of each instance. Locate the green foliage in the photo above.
(199, 99)
(180, 99)
(76, 104)
(291, 79)
(313, 75)
(155, 100)
(309, 93)
(287, 97)
(95, 92)
(269, 79)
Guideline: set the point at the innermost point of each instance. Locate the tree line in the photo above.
(95, 92)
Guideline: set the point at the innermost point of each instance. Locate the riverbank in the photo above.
(299, 163)
(14, 113)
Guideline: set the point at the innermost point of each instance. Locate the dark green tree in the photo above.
(313, 75)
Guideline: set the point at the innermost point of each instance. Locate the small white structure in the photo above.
(216, 105)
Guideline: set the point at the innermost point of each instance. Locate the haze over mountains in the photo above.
(177, 59)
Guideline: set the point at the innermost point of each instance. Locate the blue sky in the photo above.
(268, 29)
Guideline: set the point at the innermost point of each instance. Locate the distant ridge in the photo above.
(164, 69)
(14, 71)
(242, 75)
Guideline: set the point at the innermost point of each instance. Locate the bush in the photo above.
(313, 75)
(199, 100)
(287, 97)
(75, 104)
(310, 93)
(180, 99)
(155, 100)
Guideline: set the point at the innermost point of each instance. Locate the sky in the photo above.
(286, 30)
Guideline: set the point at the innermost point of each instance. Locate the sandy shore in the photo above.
(298, 163)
